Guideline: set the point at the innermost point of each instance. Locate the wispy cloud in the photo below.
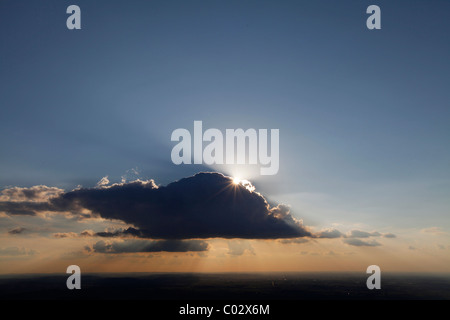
(16, 251)
(433, 230)
(17, 230)
(360, 243)
(239, 247)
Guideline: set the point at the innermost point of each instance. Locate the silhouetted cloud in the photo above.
(206, 205)
(202, 206)
(360, 243)
(25, 207)
(121, 233)
(135, 245)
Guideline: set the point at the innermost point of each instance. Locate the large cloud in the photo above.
(203, 206)
(206, 205)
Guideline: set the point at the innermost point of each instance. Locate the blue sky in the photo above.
(364, 116)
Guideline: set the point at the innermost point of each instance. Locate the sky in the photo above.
(363, 117)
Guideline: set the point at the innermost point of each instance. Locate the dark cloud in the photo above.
(85, 233)
(25, 207)
(119, 233)
(206, 205)
(203, 206)
(360, 243)
(135, 246)
(17, 230)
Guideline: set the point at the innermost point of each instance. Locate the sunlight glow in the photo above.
(247, 184)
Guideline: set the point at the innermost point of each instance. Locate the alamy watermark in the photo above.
(236, 146)
(73, 281)
(373, 281)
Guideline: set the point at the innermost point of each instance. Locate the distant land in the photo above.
(226, 286)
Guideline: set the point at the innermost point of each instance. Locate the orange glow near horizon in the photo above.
(225, 255)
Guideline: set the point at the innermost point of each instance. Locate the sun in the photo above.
(245, 183)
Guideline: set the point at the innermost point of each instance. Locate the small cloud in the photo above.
(16, 251)
(330, 233)
(60, 235)
(130, 175)
(411, 248)
(360, 243)
(433, 230)
(362, 234)
(103, 182)
(389, 235)
(17, 230)
(87, 233)
(296, 240)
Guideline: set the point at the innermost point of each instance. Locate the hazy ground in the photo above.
(192, 286)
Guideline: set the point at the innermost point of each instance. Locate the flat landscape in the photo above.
(226, 286)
